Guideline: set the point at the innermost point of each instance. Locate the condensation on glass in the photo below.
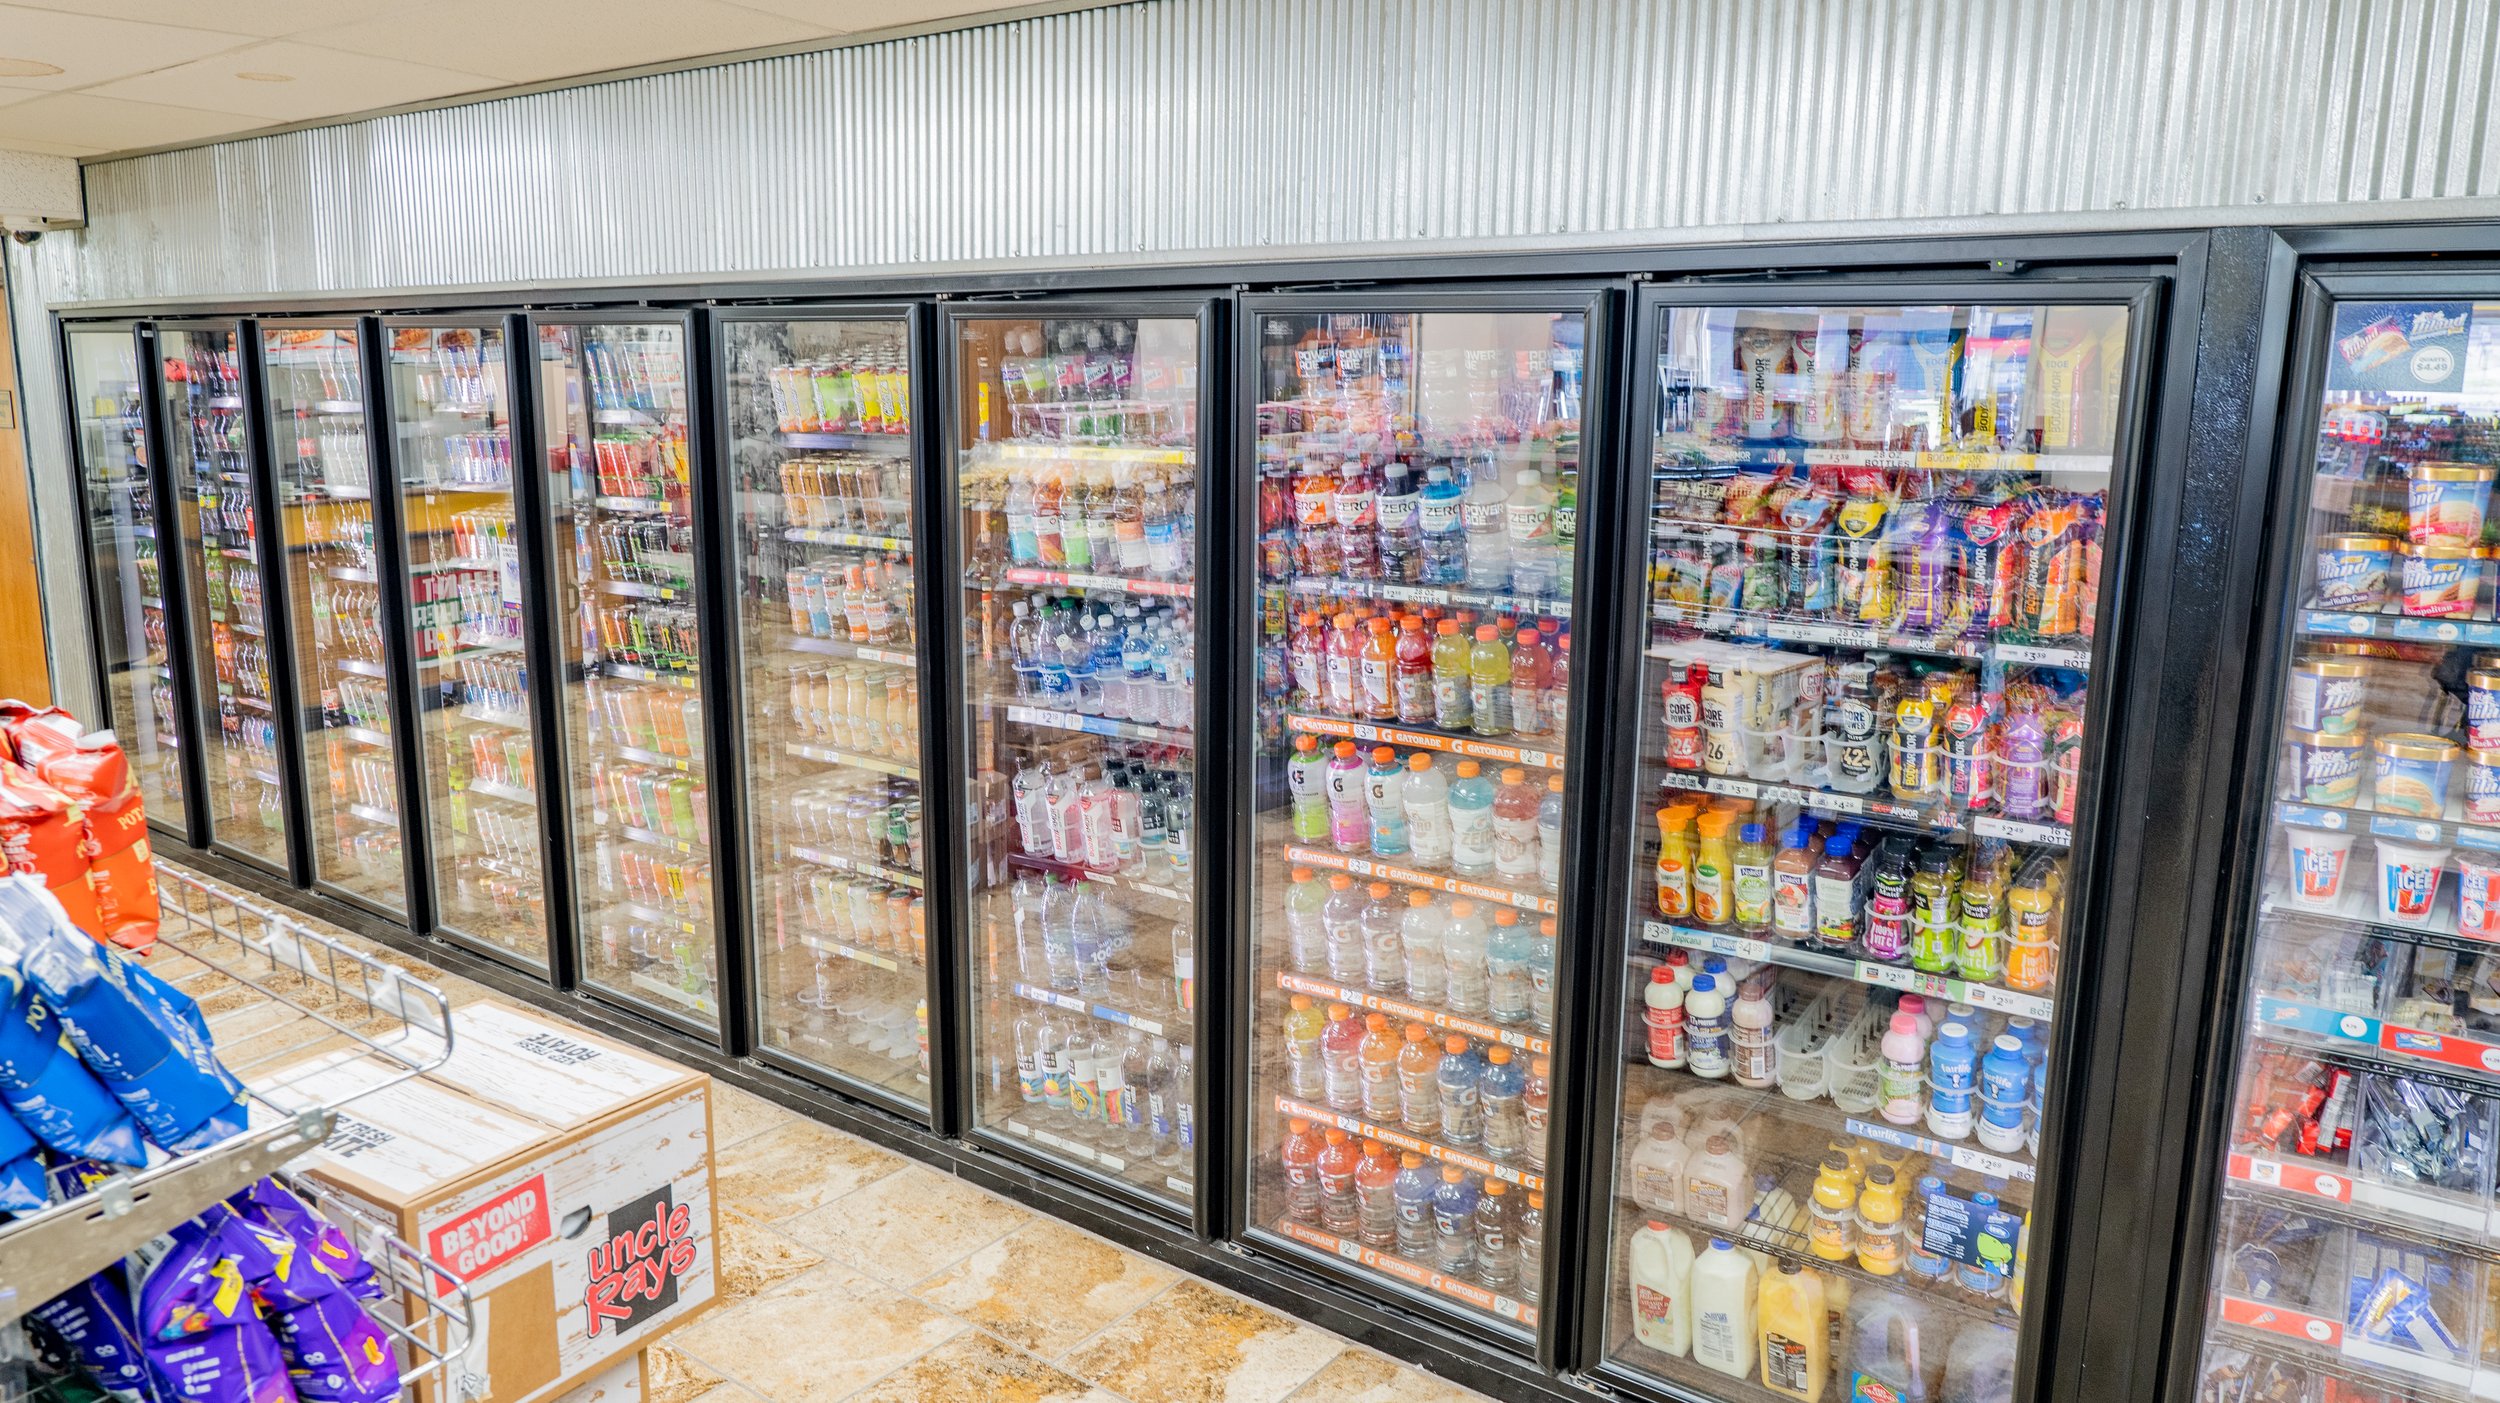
(1873, 560)
(1077, 463)
(469, 596)
(315, 383)
(2356, 1254)
(1417, 526)
(141, 702)
(820, 437)
(243, 793)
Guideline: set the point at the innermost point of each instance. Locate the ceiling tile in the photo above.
(111, 124)
(323, 83)
(47, 148)
(260, 18)
(89, 49)
(845, 16)
(525, 43)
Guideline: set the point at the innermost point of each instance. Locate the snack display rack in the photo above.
(276, 992)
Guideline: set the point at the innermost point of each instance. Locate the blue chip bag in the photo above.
(47, 1088)
(21, 1173)
(144, 1050)
(96, 1322)
(201, 1326)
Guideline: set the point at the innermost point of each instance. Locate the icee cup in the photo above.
(2319, 858)
(2408, 881)
(2478, 895)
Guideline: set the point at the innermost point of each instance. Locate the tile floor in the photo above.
(848, 1272)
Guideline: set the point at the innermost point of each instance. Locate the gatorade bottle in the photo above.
(1341, 1060)
(1549, 835)
(1792, 885)
(1384, 798)
(1341, 922)
(1303, 1025)
(1712, 862)
(1831, 1231)
(1675, 862)
(1306, 778)
(1412, 1192)
(1488, 683)
(1419, 945)
(1376, 672)
(1450, 653)
(1497, 1247)
(1461, 1076)
(1419, 1085)
(1414, 673)
(1341, 687)
(1515, 807)
(1349, 815)
(1935, 928)
(1299, 1161)
(1463, 946)
(1427, 799)
(1500, 1094)
(1752, 889)
(1454, 1224)
(1378, 1057)
(1541, 977)
(1339, 1157)
(1531, 663)
(1306, 937)
(1472, 843)
(1506, 956)
(1375, 1196)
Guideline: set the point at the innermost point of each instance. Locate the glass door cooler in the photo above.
(2356, 1250)
(1866, 643)
(1078, 441)
(244, 793)
(313, 377)
(469, 597)
(133, 618)
(820, 455)
(612, 400)
(1415, 532)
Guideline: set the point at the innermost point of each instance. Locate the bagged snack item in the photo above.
(142, 1038)
(200, 1322)
(272, 1204)
(121, 870)
(43, 834)
(334, 1353)
(46, 1087)
(21, 1172)
(94, 1321)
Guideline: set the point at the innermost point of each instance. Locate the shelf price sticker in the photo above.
(2291, 1178)
(1073, 1004)
(1977, 1161)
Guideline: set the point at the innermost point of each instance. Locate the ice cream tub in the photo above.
(2482, 709)
(2409, 774)
(2356, 573)
(2319, 768)
(2440, 581)
(2325, 694)
(2446, 502)
(2319, 859)
(2482, 786)
(2408, 881)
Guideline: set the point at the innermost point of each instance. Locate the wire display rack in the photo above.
(280, 997)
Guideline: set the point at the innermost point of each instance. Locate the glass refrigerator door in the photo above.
(468, 591)
(1078, 463)
(315, 382)
(1874, 538)
(1418, 520)
(129, 580)
(245, 798)
(820, 451)
(2357, 1253)
(620, 485)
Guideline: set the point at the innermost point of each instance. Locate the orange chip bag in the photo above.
(42, 833)
(121, 868)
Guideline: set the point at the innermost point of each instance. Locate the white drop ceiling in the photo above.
(143, 73)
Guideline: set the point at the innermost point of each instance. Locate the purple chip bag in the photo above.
(141, 1047)
(272, 1204)
(201, 1325)
(46, 1087)
(95, 1322)
(334, 1352)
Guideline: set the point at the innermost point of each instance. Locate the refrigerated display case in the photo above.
(313, 377)
(470, 596)
(818, 423)
(135, 633)
(1415, 532)
(1078, 451)
(2355, 1251)
(243, 790)
(1867, 637)
(612, 399)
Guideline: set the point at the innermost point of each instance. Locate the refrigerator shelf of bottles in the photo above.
(1791, 1246)
(897, 445)
(1703, 455)
(366, 735)
(337, 406)
(494, 789)
(465, 651)
(831, 756)
(839, 863)
(2440, 833)
(1362, 1129)
(1056, 452)
(692, 1002)
(2055, 835)
(1422, 740)
(660, 840)
(1098, 726)
(836, 648)
(623, 416)
(657, 916)
(1959, 991)
(1482, 1031)
(359, 667)
(641, 756)
(370, 814)
(2329, 623)
(635, 589)
(1499, 601)
(1035, 993)
(634, 672)
(1074, 870)
(237, 624)
(2467, 1226)
(853, 953)
(1398, 1268)
(2362, 1032)
(818, 536)
(1087, 1154)
(2333, 1336)
(1428, 881)
(1063, 579)
(490, 716)
(236, 553)
(1728, 623)
(224, 401)
(1959, 1156)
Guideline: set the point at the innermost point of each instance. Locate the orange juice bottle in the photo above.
(1713, 865)
(1675, 862)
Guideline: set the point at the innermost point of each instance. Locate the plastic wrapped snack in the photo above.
(272, 1204)
(201, 1326)
(46, 1087)
(334, 1352)
(95, 1322)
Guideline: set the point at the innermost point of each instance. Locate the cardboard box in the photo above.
(566, 1178)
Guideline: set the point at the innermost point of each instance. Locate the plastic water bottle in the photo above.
(1059, 933)
(1487, 514)
(1086, 934)
(1440, 514)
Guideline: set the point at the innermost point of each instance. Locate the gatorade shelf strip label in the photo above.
(1422, 740)
(1408, 876)
(1413, 1275)
(1363, 1129)
(1294, 983)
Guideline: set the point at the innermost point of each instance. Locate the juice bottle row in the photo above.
(365, 779)
(1093, 382)
(502, 757)
(240, 662)
(1461, 1224)
(1488, 516)
(453, 365)
(1496, 677)
(497, 684)
(664, 720)
(864, 492)
(644, 550)
(863, 914)
(346, 619)
(337, 374)
(1136, 517)
(334, 447)
(656, 801)
(356, 701)
(458, 609)
(1116, 809)
(1503, 824)
(679, 886)
(642, 466)
(869, 819)
(1127, 661)
(656, 636)
(233, 585)
(480, 461)
(1466, 957)
(870, 601)
(855, 394)
(341, 532)
(1489, 1100)
(867, 708)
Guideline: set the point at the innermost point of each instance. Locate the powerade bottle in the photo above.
(1444, 528)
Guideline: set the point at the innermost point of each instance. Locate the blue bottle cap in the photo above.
(1750, 833)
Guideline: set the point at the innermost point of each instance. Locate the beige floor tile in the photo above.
(1046, 1286)
(1195, 1344)
(973, 1368)
(754, 1259)
(785, 1172)
(673, 1377)
(824, 1335)
(739, 1116)
(1361, 1376)
(907, 1225)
